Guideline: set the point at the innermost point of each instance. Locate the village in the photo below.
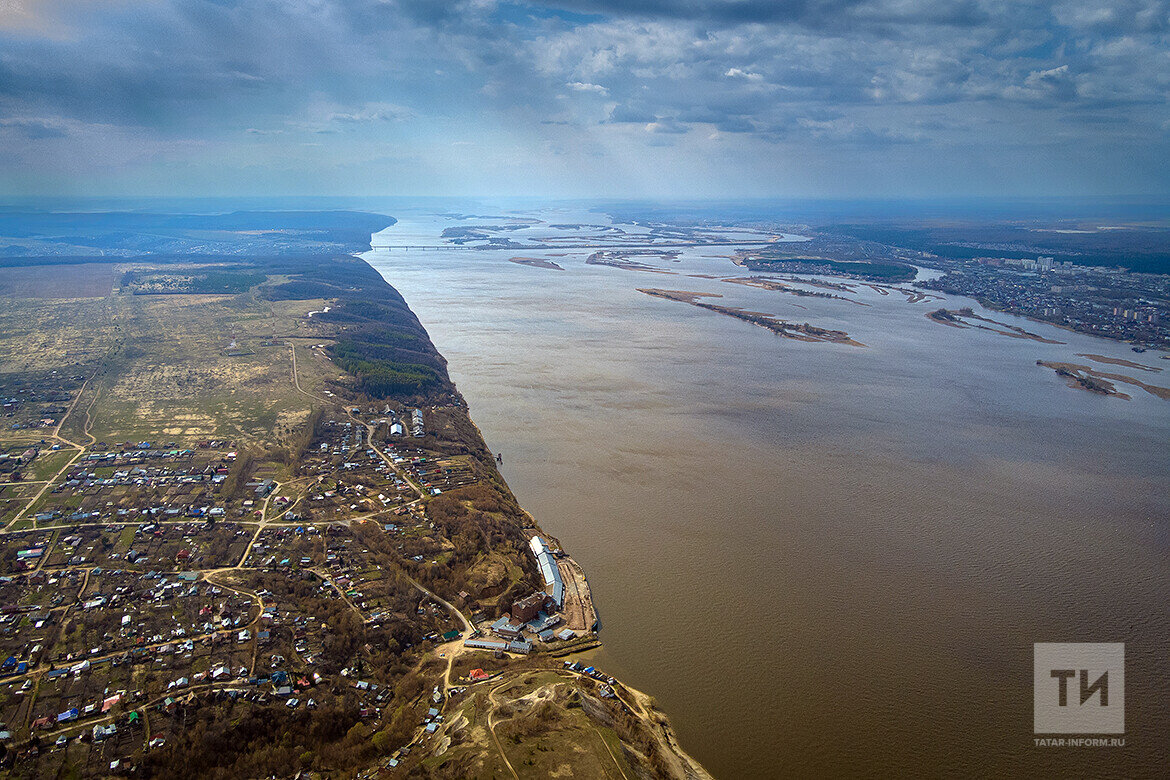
(142, 577)
(259, 545)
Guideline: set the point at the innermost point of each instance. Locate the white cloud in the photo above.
(737, 73)
(373, 112)
(584, 86)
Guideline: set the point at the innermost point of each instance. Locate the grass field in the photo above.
(49, 462)
(167, 365)
(88, 280)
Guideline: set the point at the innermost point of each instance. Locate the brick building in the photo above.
(530, 606)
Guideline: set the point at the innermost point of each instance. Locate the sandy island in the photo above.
(765, 283)
(1117, 362)
(916, 296)
(958, 319)
(789, 330)
(535, 262)
(819, 283)
(1089, 378)
(617, 258)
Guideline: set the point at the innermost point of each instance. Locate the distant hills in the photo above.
(43, 235)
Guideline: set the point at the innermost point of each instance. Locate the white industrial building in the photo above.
(548, 569)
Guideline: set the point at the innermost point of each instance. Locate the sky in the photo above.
(595, 98)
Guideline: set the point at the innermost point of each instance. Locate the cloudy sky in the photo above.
(641, 98)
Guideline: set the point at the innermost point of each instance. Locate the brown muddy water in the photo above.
(822, 560)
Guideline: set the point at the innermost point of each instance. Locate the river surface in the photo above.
(822, 560)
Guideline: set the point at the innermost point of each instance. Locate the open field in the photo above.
(87, 280)
(178, 366)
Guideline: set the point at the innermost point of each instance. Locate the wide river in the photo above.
(821, 559)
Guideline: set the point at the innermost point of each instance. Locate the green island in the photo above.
(248, 529)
